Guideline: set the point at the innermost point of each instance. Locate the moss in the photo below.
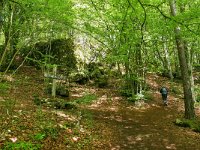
(192, 124)
(57, 51)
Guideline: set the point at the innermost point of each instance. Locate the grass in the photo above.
(4, 87)
(39, 136)
(21, 146)
(86, 99)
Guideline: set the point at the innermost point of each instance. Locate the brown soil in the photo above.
(144, 126)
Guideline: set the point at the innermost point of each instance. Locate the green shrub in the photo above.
(81, 77)
(136, 97)
(148, 96)
(198, 98)
(197, 91)
(126, 91)
(101, 82)
(176, 90)
(37, 99)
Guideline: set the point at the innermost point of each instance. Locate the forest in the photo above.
(87, 74)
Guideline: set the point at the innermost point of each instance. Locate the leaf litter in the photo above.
(110, 122)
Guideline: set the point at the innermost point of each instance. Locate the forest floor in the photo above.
(108, 123)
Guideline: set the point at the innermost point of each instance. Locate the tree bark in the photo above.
(185, 70)
(167, 58)
(1, 16)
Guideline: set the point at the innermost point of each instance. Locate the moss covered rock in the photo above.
(57, 51)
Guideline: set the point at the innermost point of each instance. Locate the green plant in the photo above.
(21, 146)
(101, 81)
(86, 99)
(193, 124)
(36, 99)
(88, 119)
(39, 136)
(136, 97)
(4, 87)
(53, 132)
(197, 91)
(126, 92)
(176, 90)
(148, 96)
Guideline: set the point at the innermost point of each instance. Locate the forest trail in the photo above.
(109, 123)
(123, 126)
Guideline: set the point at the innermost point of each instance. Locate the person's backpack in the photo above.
(163, 90)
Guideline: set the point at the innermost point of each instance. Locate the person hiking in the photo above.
(164, 93)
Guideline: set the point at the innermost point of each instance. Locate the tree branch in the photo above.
(144, 21)
(170, 18)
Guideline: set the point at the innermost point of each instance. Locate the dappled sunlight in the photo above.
(120, 124)
(151, 81)
(102, 99)
(116, 98)
(168, 145)
(171, 146)
(77, 95)
(77, 92)
(116, 147)
(106, 103)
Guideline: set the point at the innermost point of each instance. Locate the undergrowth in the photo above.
(4, 87)
(193, 124)
(86, 99)
(21, 146)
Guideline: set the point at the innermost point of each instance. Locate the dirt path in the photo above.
(117, 124)
(150, 127)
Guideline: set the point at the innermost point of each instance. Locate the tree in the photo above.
(129, 30)
(185, 68)
(119, 28)
(25, 22)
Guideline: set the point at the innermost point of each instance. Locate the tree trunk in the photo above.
(167, 59)
(1, 15)
(189, 58)
(185, 70)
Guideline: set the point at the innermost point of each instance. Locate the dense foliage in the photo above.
(133, 37)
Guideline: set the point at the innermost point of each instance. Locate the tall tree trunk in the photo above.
(167, 58)
(176, 64)
(189, 58)
(1, 17)
(139, 66)
(185, 70)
